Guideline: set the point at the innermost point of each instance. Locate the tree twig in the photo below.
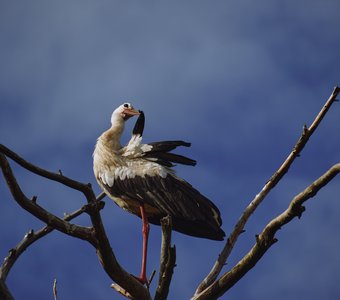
(58, 177)
(29, 239)
(121, 291)
(266, 238)
(168, 260)
(39, 212)
(95, 236)
(55, 289)
(239, 228)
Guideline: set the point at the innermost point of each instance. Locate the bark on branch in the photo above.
(95, 235)
(211, 287)
(168, 260)
(272, 182)
(5, 294)
(36, 210)
(267, 238)
(29, 238)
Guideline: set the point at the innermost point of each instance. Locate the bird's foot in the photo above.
(142, 279)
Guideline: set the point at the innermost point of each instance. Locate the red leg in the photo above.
(145, 230)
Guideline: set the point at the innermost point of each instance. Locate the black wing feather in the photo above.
(139, 126)
(160, 153)
(192, 213)
(160, 150)
(167, 146)
(170, 158)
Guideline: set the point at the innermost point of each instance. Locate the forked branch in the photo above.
(211, 287)
(95, 235)
(267, 238)
(277, 176)
(36, 210)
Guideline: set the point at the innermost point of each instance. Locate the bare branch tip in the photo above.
(305, 129)
(151, 277)
(300, 211)
(29, 234)
(101, 196)
(55, 289)
(121, 291)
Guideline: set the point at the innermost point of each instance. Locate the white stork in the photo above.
(140, 179)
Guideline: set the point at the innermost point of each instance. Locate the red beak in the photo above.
(130, 112)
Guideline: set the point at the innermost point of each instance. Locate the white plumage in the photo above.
(140, 179)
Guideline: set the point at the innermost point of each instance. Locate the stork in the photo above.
(139, 178)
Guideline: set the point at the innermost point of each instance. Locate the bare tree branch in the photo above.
(32, 207)
(95, 236)
(29, 239)
(168, 260)
(55, 292)
(5, 294)
(58, 177)
(110, 264)
(121, 291)
(266, 238)
(128, 285)
(239, 228)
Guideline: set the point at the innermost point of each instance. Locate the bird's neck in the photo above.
(111, 137)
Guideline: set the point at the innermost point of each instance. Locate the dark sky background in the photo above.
(238, 79)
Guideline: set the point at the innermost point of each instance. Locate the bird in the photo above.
(140, 179)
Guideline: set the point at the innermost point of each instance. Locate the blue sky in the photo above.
(238, 79)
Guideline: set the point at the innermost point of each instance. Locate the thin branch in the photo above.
(168, 260)
(29, 239)
(36, 210)
(58, 177)
(95, 236)
(121, 291)
(239, 228)
(267, 238)
(55, 292)
(101, 196)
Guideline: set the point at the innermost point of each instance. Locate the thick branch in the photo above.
(168, 260)
(5, 294)
(239, 228)
(108, 260)
(96, 235)
(32, 207)
(267, 238)
(110, 264)
(29, 239)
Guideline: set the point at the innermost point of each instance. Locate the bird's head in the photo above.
(124, 112)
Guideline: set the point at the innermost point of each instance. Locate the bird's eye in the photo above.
(126, 105)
